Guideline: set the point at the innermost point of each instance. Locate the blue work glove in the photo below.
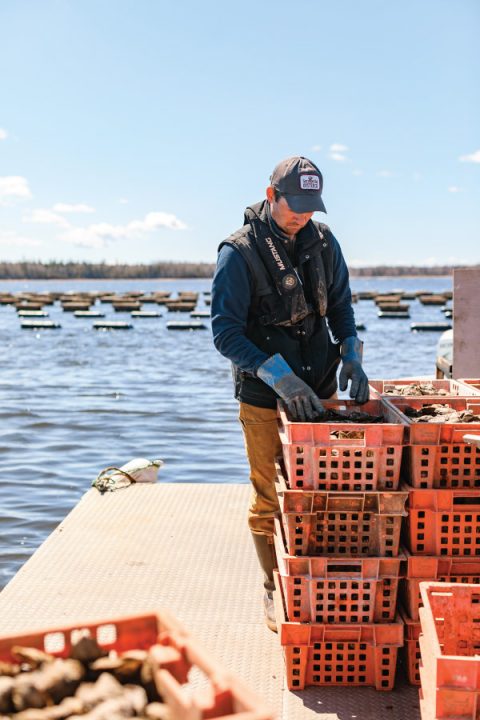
(351, 354)
(299, 397)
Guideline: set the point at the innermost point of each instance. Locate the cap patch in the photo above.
(309, 182)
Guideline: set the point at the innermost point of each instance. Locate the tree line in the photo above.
(27, 270)
(404, 270)
(30, 270)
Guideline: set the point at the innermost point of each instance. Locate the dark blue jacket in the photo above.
(231, 302)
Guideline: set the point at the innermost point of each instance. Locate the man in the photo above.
(278, 279)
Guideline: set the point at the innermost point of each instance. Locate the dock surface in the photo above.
(186, 548)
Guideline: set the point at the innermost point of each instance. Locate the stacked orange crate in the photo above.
(337, 547)
(450, 669)
(442, 532)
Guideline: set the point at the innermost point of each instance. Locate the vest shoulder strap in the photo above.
(243, 240)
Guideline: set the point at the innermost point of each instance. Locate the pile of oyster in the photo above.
(414, 389)
(357, 416)
(437, 413)
(89, 685)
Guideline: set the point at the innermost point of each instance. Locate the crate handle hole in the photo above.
(106, 634)
(54, 642)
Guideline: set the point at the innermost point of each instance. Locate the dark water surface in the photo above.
(76, 400)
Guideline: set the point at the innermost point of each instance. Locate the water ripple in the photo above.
(76, 401)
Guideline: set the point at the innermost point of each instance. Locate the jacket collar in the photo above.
(305, 239)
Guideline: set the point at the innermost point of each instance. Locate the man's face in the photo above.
(290, 222)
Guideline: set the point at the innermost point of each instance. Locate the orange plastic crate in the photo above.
(443, 522)
(449, 647)
(174, 654)
(435, 569)
(412, 631)
(343, 654)
(317, 460)
(436, 433)
(444, 466)
(340, 523)
(454, 388)
(337, 590)
(436, 455)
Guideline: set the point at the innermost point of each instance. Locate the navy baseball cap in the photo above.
(301, 183)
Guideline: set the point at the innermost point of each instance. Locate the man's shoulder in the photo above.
(327, 237)
(240, 238)
(323, 228)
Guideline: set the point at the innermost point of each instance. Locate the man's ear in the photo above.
(270, 194)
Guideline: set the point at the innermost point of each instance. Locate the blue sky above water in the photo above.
(136, 131)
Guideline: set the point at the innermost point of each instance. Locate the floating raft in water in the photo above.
(28, 306)
(88, 313)
(145, 314)
(32, 314)
(430, 326)
(112, 325)
(360, 326)
(200, 313)
(392, 314)
(185, 325)
(75, 306)
(39, 325)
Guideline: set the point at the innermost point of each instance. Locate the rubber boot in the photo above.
(266, 556)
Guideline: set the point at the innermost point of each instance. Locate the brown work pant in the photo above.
(262, 443)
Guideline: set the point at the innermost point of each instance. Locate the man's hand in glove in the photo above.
(351, 354)
(299, 397)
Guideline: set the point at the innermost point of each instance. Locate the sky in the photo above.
(139, 130)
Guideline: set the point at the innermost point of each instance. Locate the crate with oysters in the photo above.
(422, 388)
(133, 667)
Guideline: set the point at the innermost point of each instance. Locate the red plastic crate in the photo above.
(317, 460)
(436, 455)
(449, 646)
(343, 654)
(174, 653)
(340, 523)
(436, 433)
(412, 630)
(454, 388)
(337, 590)
(434, 569)
(444, 466)
(443, 522)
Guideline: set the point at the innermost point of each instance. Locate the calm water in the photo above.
(75, 400)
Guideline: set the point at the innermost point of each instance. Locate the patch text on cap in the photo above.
(309, 182)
